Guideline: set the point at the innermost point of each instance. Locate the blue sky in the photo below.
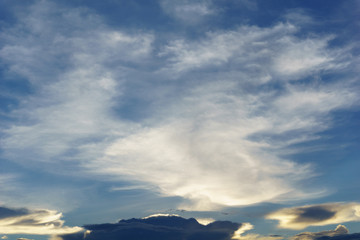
(242, 111)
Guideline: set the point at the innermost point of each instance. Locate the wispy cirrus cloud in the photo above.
(272, 52)
(226, 105)
(75, 101)
(215, 124)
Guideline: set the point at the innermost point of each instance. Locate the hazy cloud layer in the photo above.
(227, 105)
(188, 12)
(316, 215)
(159, 228)
(38, 222)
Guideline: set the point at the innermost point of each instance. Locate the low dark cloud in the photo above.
(340, 232)
(158, 228)
(354, 236)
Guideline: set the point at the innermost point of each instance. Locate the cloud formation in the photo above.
(158, 228)
(172, 227)
(316, 215)
(37, 222)
(339, 233)
(340, 230)
(126, 105)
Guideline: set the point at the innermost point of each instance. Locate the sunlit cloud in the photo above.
(239, 234)
(127, 110)
(37, 222)
(316, 215)
(243, 228)
(157, 228)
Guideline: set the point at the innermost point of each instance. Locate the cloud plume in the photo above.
(37, 222)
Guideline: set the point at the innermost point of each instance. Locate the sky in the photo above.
(179, 119)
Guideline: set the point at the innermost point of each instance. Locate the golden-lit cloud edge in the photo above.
(316, 215)
(33, 221)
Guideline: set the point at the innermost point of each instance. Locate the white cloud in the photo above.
(38, 222)
(73, 105)
(304, 55)
(157, 156)
(272, 53)
(244, 227)
(316, 215)
(210, 135)
(161, 215)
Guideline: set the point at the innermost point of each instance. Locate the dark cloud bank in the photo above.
(158, 228)
(177, 228)
(354, 236)
(167, 227)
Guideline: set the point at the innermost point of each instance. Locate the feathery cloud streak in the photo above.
(316, 215)
(220, 110)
